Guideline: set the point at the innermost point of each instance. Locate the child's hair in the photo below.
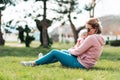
(83, 31)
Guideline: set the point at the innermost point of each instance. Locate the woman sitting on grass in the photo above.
(84, 56)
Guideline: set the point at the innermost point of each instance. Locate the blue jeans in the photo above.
(64, 58)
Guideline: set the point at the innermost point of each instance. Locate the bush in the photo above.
(28, 40)
(115, 42)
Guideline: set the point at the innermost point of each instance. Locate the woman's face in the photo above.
(90, 29)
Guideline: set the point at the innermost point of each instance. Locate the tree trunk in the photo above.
(44, 34)
(93, 4)
(2, 41)
(44, 27)
(75, 34)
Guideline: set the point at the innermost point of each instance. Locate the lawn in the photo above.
(107, 68)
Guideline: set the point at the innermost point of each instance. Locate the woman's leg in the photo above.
(57, 55)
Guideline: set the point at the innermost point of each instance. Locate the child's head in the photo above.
(83, 33)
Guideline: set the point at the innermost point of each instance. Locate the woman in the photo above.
(84, 56)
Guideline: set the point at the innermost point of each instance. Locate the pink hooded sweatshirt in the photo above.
(89, 51)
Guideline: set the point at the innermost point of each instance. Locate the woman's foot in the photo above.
(28, 63)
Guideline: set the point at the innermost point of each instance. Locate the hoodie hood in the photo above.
(100, 39)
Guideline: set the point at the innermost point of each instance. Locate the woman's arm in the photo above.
(89, 41)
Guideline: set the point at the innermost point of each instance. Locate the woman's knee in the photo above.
(55, 51)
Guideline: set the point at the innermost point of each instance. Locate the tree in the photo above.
(2, 7)
(28, 38)
(43, 26)
(21, 34)
(90, 7)
(39, 26)
(67, 7)
(71, 9)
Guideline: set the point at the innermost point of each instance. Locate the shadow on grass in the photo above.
(105, 69)
(22, 51)
(58, 65)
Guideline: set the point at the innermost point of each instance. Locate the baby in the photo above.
(83, 35)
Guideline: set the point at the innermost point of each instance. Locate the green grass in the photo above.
(107, 68)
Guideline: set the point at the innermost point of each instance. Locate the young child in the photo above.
(83, 35)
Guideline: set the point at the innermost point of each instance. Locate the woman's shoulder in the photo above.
(97, 37)
(91, 36)
(94, 36)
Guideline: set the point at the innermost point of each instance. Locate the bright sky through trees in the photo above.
(103, 7)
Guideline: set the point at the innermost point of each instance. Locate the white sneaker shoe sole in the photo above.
(27, 63)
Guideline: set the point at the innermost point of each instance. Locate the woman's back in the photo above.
(92, 50)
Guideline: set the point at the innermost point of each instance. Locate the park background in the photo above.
(59, 19)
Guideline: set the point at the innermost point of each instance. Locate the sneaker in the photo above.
(40, 55)
(28, 63)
